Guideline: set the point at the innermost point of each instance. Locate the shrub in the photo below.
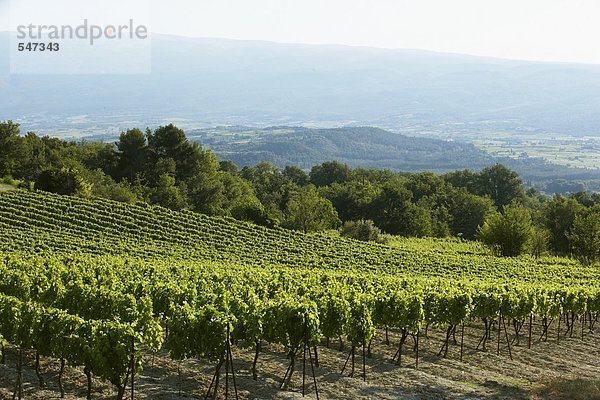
(509, 233)
(364, 230)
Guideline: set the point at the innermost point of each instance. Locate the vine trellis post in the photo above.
(228, 365)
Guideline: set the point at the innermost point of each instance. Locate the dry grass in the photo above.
(577, 389)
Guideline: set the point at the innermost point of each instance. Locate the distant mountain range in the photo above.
(206, 82)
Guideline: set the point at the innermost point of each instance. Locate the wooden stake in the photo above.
(132, 368)
(364, 364)
(498, 350)
(507, 340)
(313, 374)
(530, 330)
(462, 341)
(304, 361)
(230, 354)
(558, 331)
(417, 354)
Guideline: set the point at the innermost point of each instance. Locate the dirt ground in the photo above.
(567, 370)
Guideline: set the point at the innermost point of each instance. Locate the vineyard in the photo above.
(105, 288)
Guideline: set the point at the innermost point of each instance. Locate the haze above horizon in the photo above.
(536, 30)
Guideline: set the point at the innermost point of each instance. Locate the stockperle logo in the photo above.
(80, 37)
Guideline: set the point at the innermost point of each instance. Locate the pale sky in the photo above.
(548, 30)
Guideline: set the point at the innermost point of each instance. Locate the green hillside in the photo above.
(48, 222)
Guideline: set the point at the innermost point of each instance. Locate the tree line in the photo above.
(163, 167)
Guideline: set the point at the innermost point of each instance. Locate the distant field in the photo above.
(575, 152)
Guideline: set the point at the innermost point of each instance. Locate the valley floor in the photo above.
(549, 370)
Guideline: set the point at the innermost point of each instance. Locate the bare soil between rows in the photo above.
(569, 369)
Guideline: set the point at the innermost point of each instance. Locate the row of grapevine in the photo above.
(202, 305)
(103, 282)
(52, 223)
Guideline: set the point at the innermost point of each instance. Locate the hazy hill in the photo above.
(205, 82)
(371, 148)
(357, 146)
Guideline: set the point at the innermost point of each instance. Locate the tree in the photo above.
(190, 159)
(329, 172)
(167, 141)
(584, 198)
(228, 166)
(104, 186)
(352, 199)
(267, 181)
(510, 232)
(205, 194)
(501, 184)
(389, 209)
(250, 209)
(194, 160)
(225, 194)
(539, 242)
(296, 175)
(426, 184)
(468, 212)
(272, 188)
(36, 159)
(439, 215)
(534, 200)
(133, 154)
(308, 211)
(12, 150)
(164, 165)
(167, 194)
(585, 236)
(418, 221)
(395, 213)
(430, 192)
(239, 199)
(66, 181)
(96, 155)
(54, 150)
(463, 179)
(558, 216)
